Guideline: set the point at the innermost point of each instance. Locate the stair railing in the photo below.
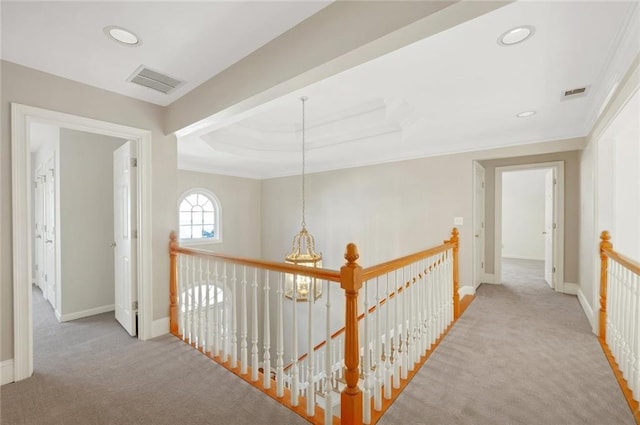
(619, 322)
(408, 304)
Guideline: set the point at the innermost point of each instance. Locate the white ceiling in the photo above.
(190, 41)
(455, 91)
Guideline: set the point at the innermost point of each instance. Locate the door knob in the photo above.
(49, 241)
(477, 236)
(544, 233)
(112, 244)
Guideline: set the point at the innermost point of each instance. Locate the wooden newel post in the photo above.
(455, 240)
(351, 282)
(173, 283)
(605, 245)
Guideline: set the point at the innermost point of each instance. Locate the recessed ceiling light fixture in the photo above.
(526, 114)
(122, 36)
(516, 35)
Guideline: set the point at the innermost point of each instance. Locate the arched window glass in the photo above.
(199, 217)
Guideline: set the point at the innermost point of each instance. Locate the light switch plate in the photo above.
(458, 221)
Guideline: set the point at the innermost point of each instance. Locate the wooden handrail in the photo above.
(380, 269)
(318, 273)
(627, 262)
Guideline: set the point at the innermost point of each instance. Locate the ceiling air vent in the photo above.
(575, 93)
(154, 80)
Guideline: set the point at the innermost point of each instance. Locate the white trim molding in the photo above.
(87, 313)
(22, 116)
(571, 288)
(588, 311)
(466, 290)
(489, 278)
(6, 372)
(160, 327)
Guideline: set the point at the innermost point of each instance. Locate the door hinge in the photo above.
(134, 306)
(554, 225)
(134, 162)
(554, 269)
(46, 277)
(483, 185)
(555, 181)
(134, 234)
(482, 265)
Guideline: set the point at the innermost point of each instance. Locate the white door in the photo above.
(478, 224)
(38, 230)
(126, 287)
(49, 231)
(549, 226)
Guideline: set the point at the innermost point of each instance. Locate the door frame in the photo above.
(478, 276)
(558, 213)
(21, 118)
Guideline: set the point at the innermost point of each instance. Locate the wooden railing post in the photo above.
(605, 244)
(173, 284)
(455, 240)
(351, 282)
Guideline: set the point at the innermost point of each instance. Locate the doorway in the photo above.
(529, 219)
(22, 117)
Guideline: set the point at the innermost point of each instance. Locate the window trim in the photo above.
(217, 206)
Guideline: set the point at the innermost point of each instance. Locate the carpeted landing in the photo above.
(521, 354)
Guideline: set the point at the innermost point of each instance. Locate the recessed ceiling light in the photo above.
(526, 114)
(122, 35)
(516, 35)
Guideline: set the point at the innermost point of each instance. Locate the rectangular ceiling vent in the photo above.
(575, 93)
(154, 80)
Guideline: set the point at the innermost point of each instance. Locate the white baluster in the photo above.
(311, 400)
(280, 340)
(189, 309)
(328, 358)
(388, 371)
(243, 324)
(366, 365)
(254, 328)
(294, 360)
(207, 328)
(397, 357)
(405, 321)
(636, 334)
(215, 327)
(266, 355)
(234, 321)
(377, 351)
(223, 316)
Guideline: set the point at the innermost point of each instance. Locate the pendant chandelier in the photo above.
(297, 287)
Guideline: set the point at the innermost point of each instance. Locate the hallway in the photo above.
(520, 354)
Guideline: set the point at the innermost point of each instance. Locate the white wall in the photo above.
(523, 214)
(86, 222)
(35, 88)
(610, 187)
(240, 216)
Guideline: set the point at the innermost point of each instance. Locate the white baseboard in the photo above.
(87, 313)
(588, 311)
(571, 288)
(160, 327)
(489, 278)
(6, 372)
(522, 257)
(466, 290)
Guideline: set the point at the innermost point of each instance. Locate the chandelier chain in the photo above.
(303, 99)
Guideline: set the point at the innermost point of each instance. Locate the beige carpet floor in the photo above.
(520, 354)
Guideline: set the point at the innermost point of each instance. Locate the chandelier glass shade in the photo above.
(303, 253)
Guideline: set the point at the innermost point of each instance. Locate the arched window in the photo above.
(199, 217)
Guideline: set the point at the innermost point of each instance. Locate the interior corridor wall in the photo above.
(34, 88)
(523, 204)
(86, 222)
(610, 190)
